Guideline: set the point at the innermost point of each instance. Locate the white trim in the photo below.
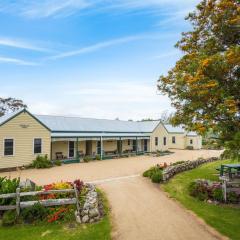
(41, 146)
(4, 147)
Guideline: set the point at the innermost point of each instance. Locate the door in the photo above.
(134, 145)
(89, 147)
(119, 146)
(145, 145)
(71, 149)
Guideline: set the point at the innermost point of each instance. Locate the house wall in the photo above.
(180, 140)
(197, 141)
(159, 132)
(23, 128)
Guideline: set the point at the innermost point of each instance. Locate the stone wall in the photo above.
(92, 210)
(170, 171)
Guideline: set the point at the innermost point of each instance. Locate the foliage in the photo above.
(87, 159)
(224, 219)
(189, 147)
(155, 173)
(37, 212)
(62, 230)
(98, 157)
(8, 185)
(204, 84)
(232, 148)
(217, 194)
(232, 197)
(42, 162)
(58, 213)
(9, 218)
(157, 177)
(58, 163)
(205, 189)
(10, 105)
(79, 184)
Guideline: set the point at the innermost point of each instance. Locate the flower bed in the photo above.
(55, 202)
(206, 190)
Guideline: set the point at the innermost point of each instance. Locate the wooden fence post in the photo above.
(76, 195)
(18, 201)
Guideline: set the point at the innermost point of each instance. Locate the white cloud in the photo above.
(16, 61)
(63, 8)
(17, 43)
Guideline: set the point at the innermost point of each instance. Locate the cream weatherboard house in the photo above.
(23, 136)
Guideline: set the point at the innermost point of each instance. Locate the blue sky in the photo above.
(92, 58)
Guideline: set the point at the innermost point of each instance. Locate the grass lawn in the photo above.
(225, 219)
(54, 231)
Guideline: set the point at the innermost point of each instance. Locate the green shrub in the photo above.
(232, 197)
(58, 163)
(217, 194)
(9, 218)
(157, 177)
(37, 212)
(42, 162)
(189, 147)
(151, 171)
(198, 190)
(98, 157)
(87, 159)
(8, 185)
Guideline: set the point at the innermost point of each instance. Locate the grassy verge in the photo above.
(225, 219)
(100, 230)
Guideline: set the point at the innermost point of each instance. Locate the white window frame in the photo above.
(13, 147)
(41, 145)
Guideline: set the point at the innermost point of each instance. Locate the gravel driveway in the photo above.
(140, 209)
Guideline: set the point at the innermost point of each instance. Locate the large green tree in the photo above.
(10, 105)
(204, 85)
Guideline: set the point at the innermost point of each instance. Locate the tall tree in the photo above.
(10, 105)
(204, 85)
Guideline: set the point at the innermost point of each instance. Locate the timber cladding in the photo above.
(23, 128)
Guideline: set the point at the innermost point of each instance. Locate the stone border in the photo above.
(92, 210)
(170, 171)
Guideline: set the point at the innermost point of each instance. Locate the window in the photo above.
(37, 148)
(8, 147)
(164, 141)
(191, 141)
(156, 141)
(129, 142)
(173, 140)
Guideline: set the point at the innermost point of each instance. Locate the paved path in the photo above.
(140, 209)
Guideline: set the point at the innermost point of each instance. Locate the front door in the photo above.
(145, 145)
(119, 146)
(89, 147)
(71, 149)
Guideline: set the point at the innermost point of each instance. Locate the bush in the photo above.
(232, 197)
(198, 190)
(189, 147)
(42, 162)
(58, 163)
(37, 212)
(9, 218)
(8, 185)
(87, 159)
(98, 157)
(217, 194)
(157, 177)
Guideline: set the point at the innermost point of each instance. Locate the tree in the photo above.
(204, 85)
(10, 105)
